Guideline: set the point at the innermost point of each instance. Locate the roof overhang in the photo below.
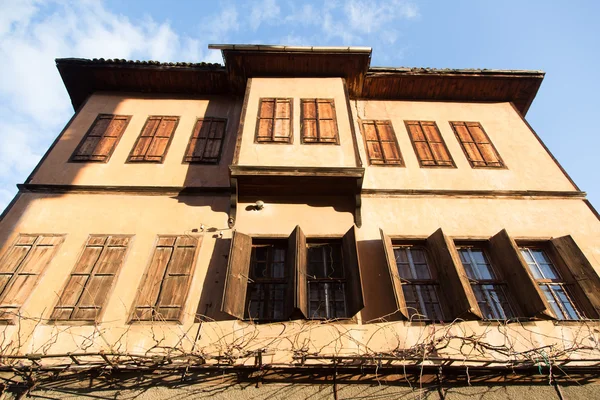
(83, 77)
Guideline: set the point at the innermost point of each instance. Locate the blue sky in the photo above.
(561, 38)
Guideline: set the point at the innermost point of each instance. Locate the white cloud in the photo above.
(264, 11)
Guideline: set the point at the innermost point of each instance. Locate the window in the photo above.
(429, 145)
(476, 145)
(280, 280)
(419, 288)
(268, 284)
(318, 121)
(382, 146)
(154, 140)
(165, 285)
(20, 269)
(101, 139)
(86, 292)
(552, 285)
(326, 281)
(206, 141)
(274, 121)
(490, 292)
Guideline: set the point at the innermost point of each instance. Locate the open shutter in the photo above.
(583, 272)
(507, 257)
(297, 299)
(454, 284)
(236, 281)
(354, 292)
(395, 278)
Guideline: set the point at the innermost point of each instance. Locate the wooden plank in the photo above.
(236, 280)
(354, 289)
(390, 257)
(297, 265)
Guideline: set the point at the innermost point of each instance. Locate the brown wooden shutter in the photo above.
(429, 145)
(454, 284)
(101, 139)
(154, 140)
(381, 143)
(274, 122)
(476, 144)
(581, 269)
(354, 292)
(507, 258)
(297, 265)
(20, 269)
(236, 280)
(318, 121)
(390, 257)
(86, 292)
(166, 284)
(206, 142)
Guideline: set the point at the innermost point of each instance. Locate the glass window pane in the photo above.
(567, 304)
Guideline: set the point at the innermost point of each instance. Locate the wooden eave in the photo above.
(83, 77)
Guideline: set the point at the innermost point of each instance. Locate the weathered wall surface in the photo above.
(173, 172)
(529, 167)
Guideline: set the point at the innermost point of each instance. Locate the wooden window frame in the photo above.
(385, 163)
(273, 118)
(317, 119)
(98, 319)
(164, 155)
(570, 286)
(432, 281)
(89, 131)
(407, 124)
(179, 320)
(497, 280)
(38, 237)
(502, 165)
(186, 155)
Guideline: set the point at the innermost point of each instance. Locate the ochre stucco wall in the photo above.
(116, 172)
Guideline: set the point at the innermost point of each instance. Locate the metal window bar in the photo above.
(266, 293)
(326, 288)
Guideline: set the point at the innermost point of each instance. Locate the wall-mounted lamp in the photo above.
(260, 204)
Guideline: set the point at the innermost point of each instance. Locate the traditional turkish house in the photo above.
(298, 223)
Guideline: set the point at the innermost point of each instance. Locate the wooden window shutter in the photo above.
(84, 296)
(206, 142)
(236, 280)
(454, 283)
(390, 257)
(318, 121)
(274, 121)
(382, 145)
(582, 271)
(101, 139)
(476, 145)
(297, 265)
(429, 145)
(507, 257)
(154, 140)
(167, 281)
(20, 269)
(354, 291)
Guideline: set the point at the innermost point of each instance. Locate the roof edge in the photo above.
(291, 49)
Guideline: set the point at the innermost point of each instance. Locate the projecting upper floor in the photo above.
(304, 111)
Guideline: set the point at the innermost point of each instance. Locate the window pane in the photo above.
(327, 300)
(550, 298)
(545, 265)
(565, 302)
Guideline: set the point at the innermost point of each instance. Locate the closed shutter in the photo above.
(206, 143)
(382, 146)
(318, 121)
(154, 140)
(454, 283)
(507, 258)
(429, 145)
(390, 257)
(354, 292)
(476, 145)
(297, 265)
(236, 279)
(166, 284)
(582, 271)
(86, 292)
(20, 269)
(274, 121)
(101, 139)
